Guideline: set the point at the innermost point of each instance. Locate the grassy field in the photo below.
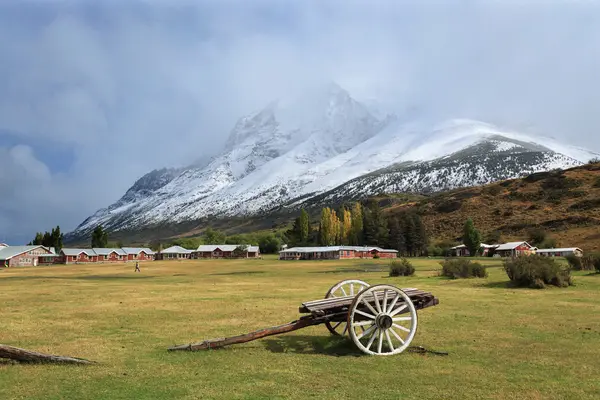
(503, 343)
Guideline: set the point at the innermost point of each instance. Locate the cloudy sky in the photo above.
(93, 94)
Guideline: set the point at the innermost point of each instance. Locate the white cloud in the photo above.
(139, 85)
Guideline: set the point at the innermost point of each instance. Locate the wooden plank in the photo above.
(346, 301)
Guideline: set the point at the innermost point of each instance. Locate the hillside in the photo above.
(321, 147)
(566, 204)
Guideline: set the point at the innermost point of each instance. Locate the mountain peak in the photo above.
(289, 120)
(321, 140)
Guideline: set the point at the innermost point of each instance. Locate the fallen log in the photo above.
(248, 337)
(27, 356)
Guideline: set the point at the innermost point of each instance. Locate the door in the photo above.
(35, 261)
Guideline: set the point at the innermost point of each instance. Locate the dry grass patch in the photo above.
(503, 342)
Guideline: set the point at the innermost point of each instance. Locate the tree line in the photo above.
(54, 238)
(361, 224)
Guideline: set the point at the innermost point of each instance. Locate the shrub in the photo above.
(591, 262)
(560, 183)
(536, 272)
(401, 267)
(589, 204)
(536, 237)
(575, 262)
(494, 190)
(434, 251)
(376, 256)
(597, 182)
(462, 268)
(449, 206)
(548, 243)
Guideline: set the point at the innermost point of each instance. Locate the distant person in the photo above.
(137, 266)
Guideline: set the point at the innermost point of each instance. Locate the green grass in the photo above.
(503, 343)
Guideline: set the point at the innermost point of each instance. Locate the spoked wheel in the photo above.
(382, 320)
(349, 287)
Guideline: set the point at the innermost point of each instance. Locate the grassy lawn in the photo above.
(504, 343)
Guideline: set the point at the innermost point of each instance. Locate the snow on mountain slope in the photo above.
(325, 145)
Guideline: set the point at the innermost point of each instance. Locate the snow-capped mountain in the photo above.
(322, 146)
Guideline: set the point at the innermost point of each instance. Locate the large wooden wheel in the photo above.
(382, 320)
(349, 287)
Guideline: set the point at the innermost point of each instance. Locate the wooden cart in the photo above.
(381, 319)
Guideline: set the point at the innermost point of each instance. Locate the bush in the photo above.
(536, 272)
(536, 237)
(401, 267)
(589, 204)
(462, 268)
(449, 206)
(494, 190)
(575, 262)
(591, 262)
(597, 182)
(269, 244)
(434, 251)
(560, 183)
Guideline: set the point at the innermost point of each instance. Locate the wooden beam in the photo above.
(248, 337)
(27, 356)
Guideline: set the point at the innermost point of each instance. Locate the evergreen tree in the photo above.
(397, 238)
(356, 229)
(471, 237)
(421, 240)
(57, 239)
(47, 239)
(369, 233)
(410, 233)
(37, 241)
(374, 225)
(99, 237)
(293, 235)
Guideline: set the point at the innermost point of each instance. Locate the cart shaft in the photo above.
(303, 322)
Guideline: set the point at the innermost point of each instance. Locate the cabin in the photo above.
(225, 251)
(174, 253)
(514, 249)
(77, 256)
(462, 251)
(138, 254)
(336, 253)
(110, 255)
(49, 258)
(21, 256)
(564, 252)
